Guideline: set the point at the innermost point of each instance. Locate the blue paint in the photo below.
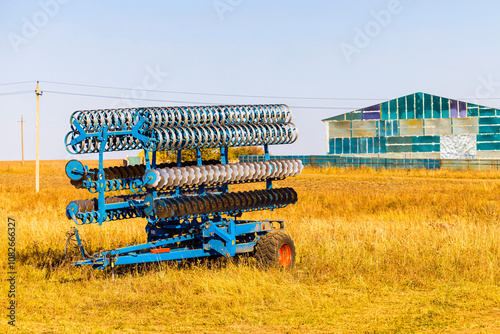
(489, 121)
(393, 109)
(426, 148)
(384, 109)
(346, 145)
(410, 107)
(419, 106)
(488, 146)
(453, 108)
(462, 109)
(371, 115)
(488, 137)
(426, 139)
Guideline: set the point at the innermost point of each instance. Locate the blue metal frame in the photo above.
(215, 234)
(213, 237)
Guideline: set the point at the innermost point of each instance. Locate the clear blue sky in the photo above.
(336, 49)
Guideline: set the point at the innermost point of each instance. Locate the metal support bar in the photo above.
(80, 245)
(269, 183)
(179, 158)
(147, 161)
(199, 162)
(101, 176)
(224, 155)
(266, 152)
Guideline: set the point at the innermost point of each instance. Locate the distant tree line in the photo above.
(207, 154)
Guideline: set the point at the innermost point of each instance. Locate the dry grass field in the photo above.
(377, 252)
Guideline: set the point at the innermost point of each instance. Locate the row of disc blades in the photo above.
(162, 139)
(128, 172)
(174, 207)
(182, 116)
(92, 144)
(226, 202)
(223, 135)
(91, 205)
(222, 173)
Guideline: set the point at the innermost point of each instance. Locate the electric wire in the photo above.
(178, 101)
(16, 93)
(16, 83)
(218, 94)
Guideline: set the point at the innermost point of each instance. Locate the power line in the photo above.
(249, 96)
(216, 94)
(184, 102)
(121, 98)
(229, 95)
(16, 93)
(16, 83)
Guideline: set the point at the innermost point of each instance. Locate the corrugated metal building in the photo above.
(417, 126)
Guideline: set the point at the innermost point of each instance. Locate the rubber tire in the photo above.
(268, 246)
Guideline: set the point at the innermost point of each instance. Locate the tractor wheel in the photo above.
(275, 249)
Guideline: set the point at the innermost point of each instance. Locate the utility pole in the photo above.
(22, 141)
(38, 93)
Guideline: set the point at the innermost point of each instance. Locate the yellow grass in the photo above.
(377, 252)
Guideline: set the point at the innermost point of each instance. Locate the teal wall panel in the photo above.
(382, 128)
(393, 109)
(354, 145)
(368, 145)
(398, 140)
(488, 146)
(489, 121)
(338, 145)
(338, 118)
(385, 128)
(399, 149)
(488, 137)
(472, 110)
(489, 129)
(384, 111)
(436, 106)
(388, 128)
(331, 146)
(402, 108)
(426, 139)
(376, 145)
(410, 107)
(383, 146)
(353, 116)
(445, 108)
(426, 148)
(395, 128)
(363, 143)
(427, 106)
(419, 106)
(346, 145)
(371, 143)
(487, 112)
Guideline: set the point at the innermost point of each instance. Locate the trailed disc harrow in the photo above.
(189, 207)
